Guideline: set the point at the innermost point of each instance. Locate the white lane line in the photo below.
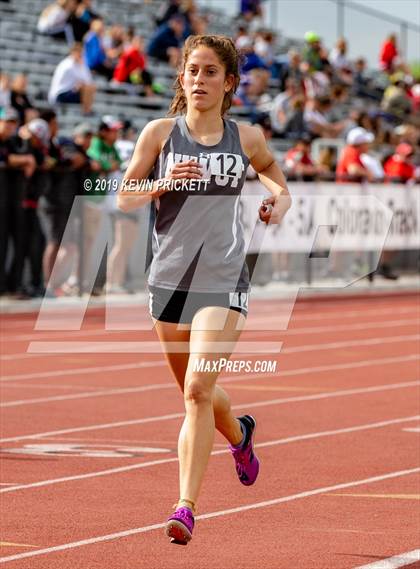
(254, 404)
(414, 430)
(103, 392)
(80, 334)
(162, 363)
(242, 347)
(394, 562)
(139, 465)
(247, 507)
(343, 328)
(340, 315)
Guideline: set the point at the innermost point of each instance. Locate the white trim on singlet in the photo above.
(234, 227)
(150, 302)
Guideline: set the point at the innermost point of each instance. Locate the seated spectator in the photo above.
(316, 120)
(185, 8)
(350, 167)
(363, 86)
(250, 9)
(291, 69)
(396, 100)
(338, 55)
(313, 55)
(388, 54)
(81, 18)
(19, 99)
(97, 58)
(72, 81)
(131, 67)
(53, 20)
(264, 46)
(114, 41)
(399, 167)
(298, 162)
(245, 45)
(166, 42)
(281, 110)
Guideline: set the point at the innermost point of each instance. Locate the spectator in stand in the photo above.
(388, 54)
(81, 18)
(53, 20)
(185, 8)
(399, 168)
(72, 81)
(250, 9)
(396, 100)
(264, 47)
(338, 55)
(314, 56)
(19, 98)
(316, 120)
(350, 167)
(291, 69)
(245, 46)
(363, 86)
(97, 58)
(281, 110)
(166, 42)
(131, 67)
(298, 163)
(114, 41)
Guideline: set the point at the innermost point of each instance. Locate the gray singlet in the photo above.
(197, 238)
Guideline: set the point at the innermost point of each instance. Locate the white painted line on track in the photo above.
(162, 363)
(102, 392)
(250, 348)
(140, 465)
(247, 507)
(254, 404)
(395, 562)
(340, 315)
(41, 335)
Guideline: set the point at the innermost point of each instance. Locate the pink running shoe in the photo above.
(180, 526)
(247, 464)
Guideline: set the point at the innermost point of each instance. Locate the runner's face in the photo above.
(204, 80)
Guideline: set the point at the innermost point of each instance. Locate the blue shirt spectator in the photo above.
(94, 52)
(167, 36)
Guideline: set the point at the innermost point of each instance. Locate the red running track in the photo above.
(89, 467)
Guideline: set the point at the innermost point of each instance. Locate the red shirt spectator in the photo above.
(350, 166)
(388, 53)
(398, 167)
(131, 60)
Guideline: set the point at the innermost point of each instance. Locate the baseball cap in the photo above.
(40, 129)
(312, 37)
(83, 129)
(404, 149)
(110, 122)
(9, 114)
(359, 135)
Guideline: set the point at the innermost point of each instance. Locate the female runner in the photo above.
(198, 280)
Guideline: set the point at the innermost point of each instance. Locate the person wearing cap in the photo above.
(10, 153)
(11, 213)
(72, 81)
(399, 167)
(103, 152)
(166, 42)
(350, 167)
(313, 54)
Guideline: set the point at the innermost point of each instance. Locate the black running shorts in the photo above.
(179, 306)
